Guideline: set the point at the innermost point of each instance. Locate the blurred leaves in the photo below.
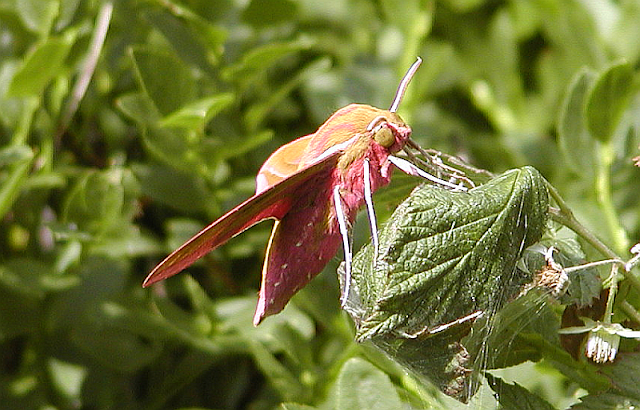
(608, 100)
(197, 114)
(360, 385)
(41, 66)
(513, 396)
(165, 79)
(574, 140)
(185, 103)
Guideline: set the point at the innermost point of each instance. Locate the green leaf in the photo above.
(192, 323)
(257, 113)
(38, 15)
(444, 258)
(516, 397)
(41, 66)
(124, 350)
(223, 149)
(127, 242)
(33, 278)
(69, 255)
(15, 154)
(96, 203)
(177, 376)
(576, 144)
(361, 385)
(179, 190)
(187, 41)
(584, 285)
(280, 11)
(413, 16)
(165, 79)
(20, 300)
(196, 114)
(627, 31)
(464, 5)
(237, 313)
(625, 375)
(260, 58)
(138, 107)
(608, 100)
(606, 401)
(68, 9)
(175, 147)
(180, 230)
(45, 181)
(11, 109)
(455, 252)
(282, 379)
(571, 26)
(96, 279)
(514, 335)
(12, 185)
(67, 377)
(213, 36)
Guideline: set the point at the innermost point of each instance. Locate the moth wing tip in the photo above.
(259, 315)
(160, 272)
(150, 280)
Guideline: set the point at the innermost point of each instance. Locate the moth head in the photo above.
(389, 131)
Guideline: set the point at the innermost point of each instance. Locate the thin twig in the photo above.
(88, 67)
(630, 311)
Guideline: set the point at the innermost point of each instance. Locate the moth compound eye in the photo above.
(384, 136)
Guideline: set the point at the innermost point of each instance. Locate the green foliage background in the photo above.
(187, 99)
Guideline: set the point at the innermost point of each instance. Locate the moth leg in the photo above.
(410, 169)
(428, 332)
(346, 243)
(371, 212)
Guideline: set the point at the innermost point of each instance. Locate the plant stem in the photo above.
(565, 216)
(630, 311)
(603, 193)
(88, 67)
(613, 289)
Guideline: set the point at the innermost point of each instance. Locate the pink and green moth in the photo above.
(313, 188)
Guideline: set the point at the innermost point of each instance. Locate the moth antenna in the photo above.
(404, 84)
(410, 169)
(376, 121)
(346, 243)
(371, 212)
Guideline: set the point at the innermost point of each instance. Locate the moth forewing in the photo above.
(273, 201)
(283, 163)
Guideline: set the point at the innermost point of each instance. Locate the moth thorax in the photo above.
(357, 150)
